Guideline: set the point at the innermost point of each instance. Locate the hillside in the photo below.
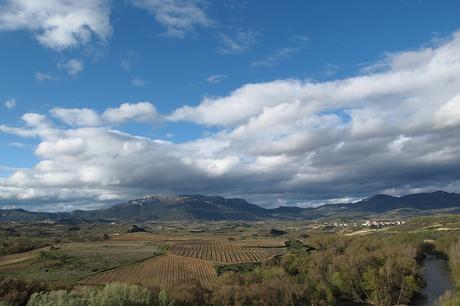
(423, 201)
(185, 207)
(215, 208)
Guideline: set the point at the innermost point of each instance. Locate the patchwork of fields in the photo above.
(148, 259)
(188, 259)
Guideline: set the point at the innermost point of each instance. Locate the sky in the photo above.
(279, 102)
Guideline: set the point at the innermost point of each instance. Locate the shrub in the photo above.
(57, 298)
(16, 292)
(114, 294)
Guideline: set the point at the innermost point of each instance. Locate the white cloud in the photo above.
(61, 148)
(216, 78)
(331, 69)
(128, 60)
(449, 114)
(411, 88)
(140, 112)
(58, 24)
(42, 76)
(177, 16)
(85, 117)
(72, 66)
(390, 130)
(35, 120)
(276, 57)
(10, 104)
(17, 131)
(20, 145)
(237, 42)
(77, 116)
(242, 103)
(298, 43)
(138, 82)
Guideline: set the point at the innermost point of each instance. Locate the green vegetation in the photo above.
(452, 298)
(244, 267)
(70, 262)
(111, 295)
(16, 292)
(22, 237)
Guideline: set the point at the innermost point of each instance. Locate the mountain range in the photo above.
(215, 208)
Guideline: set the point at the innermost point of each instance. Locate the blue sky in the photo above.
(98, 55)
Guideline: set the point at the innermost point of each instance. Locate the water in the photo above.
(437, 276)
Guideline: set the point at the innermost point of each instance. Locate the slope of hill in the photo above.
(185, 207)
(199, 207)
(422, 201)
(19, 215)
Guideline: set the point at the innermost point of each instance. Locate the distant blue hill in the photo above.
(216, 208)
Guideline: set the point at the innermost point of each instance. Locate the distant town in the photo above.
(365, 223)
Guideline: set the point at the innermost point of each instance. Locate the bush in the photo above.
(114, 294)
(190, 293)
(16, 292)
(263, 286)
(57, 298)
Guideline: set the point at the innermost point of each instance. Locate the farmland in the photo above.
(159, 257)
(225, 251)
(71, 261)
(163, 271)
(189, 259)
(243, 257)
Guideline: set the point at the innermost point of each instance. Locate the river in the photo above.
(437, 277)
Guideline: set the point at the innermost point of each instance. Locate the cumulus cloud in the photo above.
(77, 116)
(409, 87)
(449, 114)
(72, 66)
(390, 131)
(179, 17)
(58, 24)
(139, 112)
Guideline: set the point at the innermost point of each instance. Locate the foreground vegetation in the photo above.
(307, 267)
(452, 298)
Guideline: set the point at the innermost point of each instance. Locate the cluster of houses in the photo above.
(382, 223)
(327, 225)
(367, 223)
